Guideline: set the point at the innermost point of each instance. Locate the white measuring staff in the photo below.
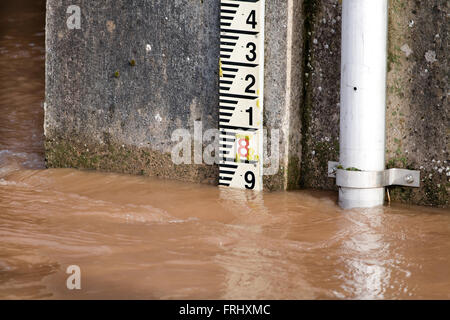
(241, 93)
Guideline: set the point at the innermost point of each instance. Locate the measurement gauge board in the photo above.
(241, 93)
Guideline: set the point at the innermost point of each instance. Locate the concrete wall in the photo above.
(417, 108)
(99, 119)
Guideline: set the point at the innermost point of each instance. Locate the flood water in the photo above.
(144, 238)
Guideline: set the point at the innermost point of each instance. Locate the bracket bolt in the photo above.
(409, 179)
(333, 170)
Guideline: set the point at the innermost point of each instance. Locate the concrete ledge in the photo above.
(112, 157)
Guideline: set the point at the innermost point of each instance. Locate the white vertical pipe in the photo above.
(363, 95)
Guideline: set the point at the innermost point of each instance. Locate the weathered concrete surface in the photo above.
(417, 111)
(97, 102)
(320, 108)
(103, 113)
(283, 87)
(417, 107)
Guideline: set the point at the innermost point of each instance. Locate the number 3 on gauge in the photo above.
(252, 53)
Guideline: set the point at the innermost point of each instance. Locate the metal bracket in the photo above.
(332, 168)
(373, 179)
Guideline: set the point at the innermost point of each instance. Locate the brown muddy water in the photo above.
(136, 237)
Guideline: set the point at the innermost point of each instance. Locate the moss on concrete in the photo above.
(316, 162)
(417, 115)
(124, 159)
(435, 194)
(293, 173)
(310, 10)
(320, 108)
(274, 182)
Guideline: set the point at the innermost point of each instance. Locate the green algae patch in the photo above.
(124, 159)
